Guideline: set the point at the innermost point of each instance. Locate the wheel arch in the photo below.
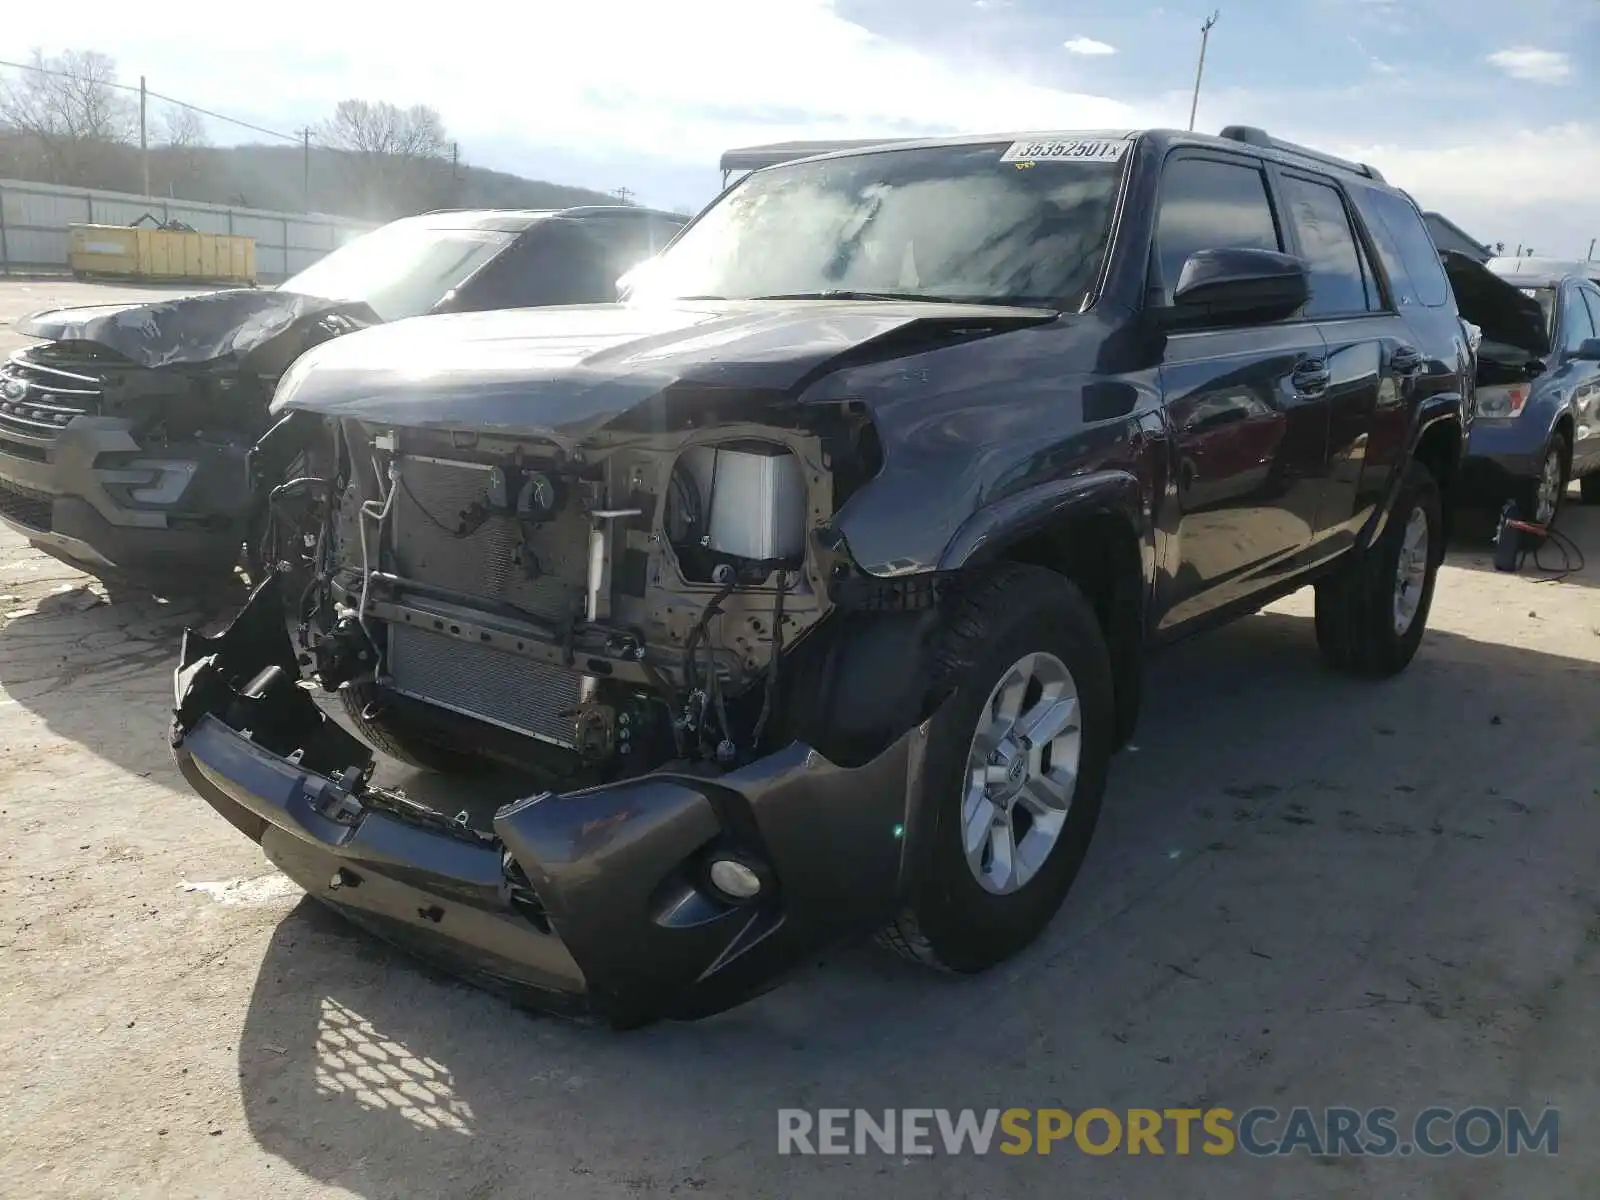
(1567, 428)
(1089, 529)
(1437, 440)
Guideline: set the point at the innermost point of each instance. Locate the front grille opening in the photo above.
(27, 450)
(43, 388)
(488, 684)
(25, 506)
(521, 896)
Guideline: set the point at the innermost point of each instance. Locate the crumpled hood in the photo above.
(562, 372)
(1499, 309)
(189, 329)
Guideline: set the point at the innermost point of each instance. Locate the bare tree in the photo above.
(381, 128)
(182, 128)
(180, 135)
(70, 107)
(397, 155)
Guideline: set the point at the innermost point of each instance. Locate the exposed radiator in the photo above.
(489, 562)
(479, 681)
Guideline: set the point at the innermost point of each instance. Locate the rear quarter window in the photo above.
(1410, 258)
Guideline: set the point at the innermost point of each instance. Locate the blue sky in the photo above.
(1487, 112)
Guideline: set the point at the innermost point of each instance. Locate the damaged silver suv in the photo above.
(815, 578)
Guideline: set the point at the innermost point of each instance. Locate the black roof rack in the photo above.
(1252, 136)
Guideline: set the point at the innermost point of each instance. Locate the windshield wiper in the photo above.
(843, 294)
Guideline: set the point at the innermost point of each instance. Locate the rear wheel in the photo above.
(1016, 767)
(1371, 614)
(1589, 488)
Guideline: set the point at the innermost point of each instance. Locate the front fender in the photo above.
(988, 533)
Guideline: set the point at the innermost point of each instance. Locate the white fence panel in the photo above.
(34, 218)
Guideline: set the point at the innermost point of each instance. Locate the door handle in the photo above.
(1311, 376)
(1406, 360)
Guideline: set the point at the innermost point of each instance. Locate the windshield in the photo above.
(975, 224)
(1547, 301)
(401, 270)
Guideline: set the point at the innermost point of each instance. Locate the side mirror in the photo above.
(1235, 286)
(1588, 350)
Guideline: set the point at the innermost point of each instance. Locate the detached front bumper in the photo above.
(93, 496)
(593, 901)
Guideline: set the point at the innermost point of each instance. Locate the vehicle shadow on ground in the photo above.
(1285, 891)
(68, 645)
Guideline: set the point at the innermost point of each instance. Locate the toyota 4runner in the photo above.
(816, 577)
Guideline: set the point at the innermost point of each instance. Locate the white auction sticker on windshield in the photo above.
(1070, 150)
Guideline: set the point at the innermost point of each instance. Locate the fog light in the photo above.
(734, 879)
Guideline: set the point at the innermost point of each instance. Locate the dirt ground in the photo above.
(1305, 891)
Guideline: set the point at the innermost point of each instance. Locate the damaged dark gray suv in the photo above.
(816, 578)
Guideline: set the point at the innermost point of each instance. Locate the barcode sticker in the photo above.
(1071, 150)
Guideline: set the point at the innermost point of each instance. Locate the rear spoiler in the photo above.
(754, 158)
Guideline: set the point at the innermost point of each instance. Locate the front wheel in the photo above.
(1014, 773)
(1540, 498)
(1371, 613)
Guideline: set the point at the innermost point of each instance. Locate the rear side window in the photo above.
(627, 242)
(561, 262)
(1340, 283)
(1407, 248)
(1593, 299)
(1210, 205)
(1576, 325)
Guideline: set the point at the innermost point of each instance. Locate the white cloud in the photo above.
(1464, 176)
(1536, 66)
(637, 81)
(1086, 45)
(681, 82)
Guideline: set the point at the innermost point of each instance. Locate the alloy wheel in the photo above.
(1022, 772)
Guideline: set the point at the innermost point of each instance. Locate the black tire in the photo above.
(1589, 487)
(1355, 606)
(950, 921)
(389, 726)
(1527, 493)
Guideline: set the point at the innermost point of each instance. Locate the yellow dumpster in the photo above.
(145, 252)
(103, 250)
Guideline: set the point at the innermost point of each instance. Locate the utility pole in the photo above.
(1590, 256)
(1205, 35)
(305, 166)
(622, 194)
(455, 161)
(144, 136)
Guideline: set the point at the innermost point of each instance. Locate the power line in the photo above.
(206, 112)
(128, 87)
